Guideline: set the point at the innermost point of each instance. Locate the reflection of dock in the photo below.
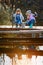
(14, 44)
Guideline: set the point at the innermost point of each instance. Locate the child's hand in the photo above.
(28, 17)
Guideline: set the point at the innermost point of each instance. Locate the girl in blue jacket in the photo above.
(18, 17)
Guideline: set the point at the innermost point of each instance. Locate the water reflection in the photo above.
(25, 60)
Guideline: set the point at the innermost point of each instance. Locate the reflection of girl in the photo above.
(30, 18)
(18, 17)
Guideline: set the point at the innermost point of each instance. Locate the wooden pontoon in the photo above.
(12, 43)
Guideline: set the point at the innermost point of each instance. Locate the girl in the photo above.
(18, 17)
(30, 18)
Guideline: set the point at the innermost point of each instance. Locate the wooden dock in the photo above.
(20, 39)
(22, 32)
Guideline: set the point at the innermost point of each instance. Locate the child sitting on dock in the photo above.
(30, 18)
(18, 17)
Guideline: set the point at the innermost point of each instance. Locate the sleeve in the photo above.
(22, 17)
(36, 14)
(33, 15)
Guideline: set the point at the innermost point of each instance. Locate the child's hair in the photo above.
(28, 12)
(18, 10)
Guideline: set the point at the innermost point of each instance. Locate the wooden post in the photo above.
(3, 59)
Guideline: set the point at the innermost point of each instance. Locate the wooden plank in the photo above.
(10, 26)
(21, 41)
(17, 51)
(21, 31)
(7, 29)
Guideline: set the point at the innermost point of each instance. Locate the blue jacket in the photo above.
(17, 18)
